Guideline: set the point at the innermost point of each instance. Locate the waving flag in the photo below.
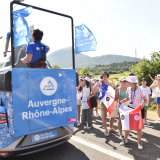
(84, 39)
(131, 118)
(21, 29)
(107, 95)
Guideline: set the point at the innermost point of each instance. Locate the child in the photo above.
(147, 93)
(86, 110)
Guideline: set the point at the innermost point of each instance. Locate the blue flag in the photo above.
(21, 29)
(103, 90)
(85, 40)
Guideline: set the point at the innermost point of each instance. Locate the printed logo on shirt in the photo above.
(122, 117)
(107, 98)
(37, 48)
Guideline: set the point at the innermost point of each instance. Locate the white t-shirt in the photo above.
(139, 94)
(147, 93)
(86, 93)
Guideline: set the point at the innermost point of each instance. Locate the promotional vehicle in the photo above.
(37, 106)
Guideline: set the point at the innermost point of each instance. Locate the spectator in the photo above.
(104, 79)
(79, 94)
(136, 96)
(155, 78)
(117, 82)
(120, 95)
(148, 94)
(156, 85)
(86, 110)
(96, 90)
(77, 81)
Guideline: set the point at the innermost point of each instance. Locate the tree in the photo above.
(84, 70)
(56, 67)
(142, 69)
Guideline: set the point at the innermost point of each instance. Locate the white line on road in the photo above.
(100, 149)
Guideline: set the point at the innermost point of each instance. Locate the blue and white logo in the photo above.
(48, 86)
(37, 137)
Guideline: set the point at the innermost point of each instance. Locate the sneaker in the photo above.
(85, 127)
(140, 145)
(124, 141)
(112, 130)
(89, 127)
(78, 124)
(106, 133)
(121, 136)
(146, 122)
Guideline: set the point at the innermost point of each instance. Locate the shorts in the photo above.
(146, 107)
(158, 100)
(115, 109)
(96, 96)
(79, 102)
(103, 109)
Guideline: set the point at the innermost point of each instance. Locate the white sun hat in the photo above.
(87, 79)
(132, 79)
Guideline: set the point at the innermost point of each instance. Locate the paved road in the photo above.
(91, 144)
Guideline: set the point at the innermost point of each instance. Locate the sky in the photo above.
(119, 26)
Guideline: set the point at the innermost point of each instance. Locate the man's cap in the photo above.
(132, 74)
(144, 79)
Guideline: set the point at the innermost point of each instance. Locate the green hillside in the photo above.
(63, 58)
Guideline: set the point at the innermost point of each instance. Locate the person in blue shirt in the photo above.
(7, 43)
(36, 51)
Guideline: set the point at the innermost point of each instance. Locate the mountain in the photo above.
(63, 58)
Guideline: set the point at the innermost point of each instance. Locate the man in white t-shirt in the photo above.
(148, 96)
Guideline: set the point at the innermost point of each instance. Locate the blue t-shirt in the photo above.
(33, 48)
(8, 35)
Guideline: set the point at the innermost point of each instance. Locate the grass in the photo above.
(153, 115)
(124, 74)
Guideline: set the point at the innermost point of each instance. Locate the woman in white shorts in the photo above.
(135, 96)
(79, 91)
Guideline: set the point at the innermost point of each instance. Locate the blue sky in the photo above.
(119, 26)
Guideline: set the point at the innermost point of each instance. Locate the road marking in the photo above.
(100, 149)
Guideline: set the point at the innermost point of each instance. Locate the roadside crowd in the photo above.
(126, 92)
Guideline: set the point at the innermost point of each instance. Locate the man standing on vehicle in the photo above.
(36, 51)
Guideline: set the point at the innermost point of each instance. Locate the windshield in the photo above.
(57, 31)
